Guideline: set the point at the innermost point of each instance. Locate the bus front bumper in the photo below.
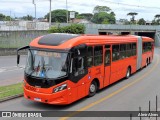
(60, 98)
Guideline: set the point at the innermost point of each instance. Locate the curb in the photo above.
(11, 97)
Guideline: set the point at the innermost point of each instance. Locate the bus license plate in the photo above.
(37, 99)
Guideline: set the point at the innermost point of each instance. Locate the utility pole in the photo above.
(35, 8)
(50, 14)
(10, 17)
(67, 11)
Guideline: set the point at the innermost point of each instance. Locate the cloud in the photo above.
(21, 8)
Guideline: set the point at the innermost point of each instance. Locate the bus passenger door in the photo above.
(107, 67)
(79, 70)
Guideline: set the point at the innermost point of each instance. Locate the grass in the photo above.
(10, 90)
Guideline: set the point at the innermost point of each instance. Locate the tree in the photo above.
(103, 15)
(99, 9)
(5, 18)
(141, 21)
(28, 17)
(132, 14)
(2, 17)
(86, 16)
(156, 20)
(157, 16)
(58, 15)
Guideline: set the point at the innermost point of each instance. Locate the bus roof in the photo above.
(67, 41)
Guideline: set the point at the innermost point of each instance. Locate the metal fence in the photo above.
(23, 25)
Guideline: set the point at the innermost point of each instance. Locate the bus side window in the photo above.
(149, 46)
(107, 57)
(79, 66)
(122, 51)
(134, 49)
(128, 50)
(98, 55)
(90, 56)
(115, 52)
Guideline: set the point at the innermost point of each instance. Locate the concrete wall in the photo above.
(16, 39)
(157, 38)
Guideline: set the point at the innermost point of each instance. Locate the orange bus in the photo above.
(62, 68)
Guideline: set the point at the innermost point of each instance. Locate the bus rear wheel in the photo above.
(146, 63)
(128, 74)
(92, 89)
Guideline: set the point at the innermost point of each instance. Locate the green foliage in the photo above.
(132, 14)
(80, 17)
(10, 90)
(157, 16)
(156, 20)
(99, 9)
(5, 18)
(141, 21)
(74, 29)
(103, 17)
(58, 15)
(86, 16)
(28, 17)
(105, 21)
(2, 17)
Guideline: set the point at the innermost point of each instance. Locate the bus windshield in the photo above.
(46, 64)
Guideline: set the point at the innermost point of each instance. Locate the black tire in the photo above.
(128, 73)
(146, 63)
(149, 60)
(92, 89)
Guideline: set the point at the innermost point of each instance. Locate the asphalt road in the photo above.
(9, 72)
(125, 95)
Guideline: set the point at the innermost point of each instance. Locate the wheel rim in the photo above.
(128, 73)
(92, 88)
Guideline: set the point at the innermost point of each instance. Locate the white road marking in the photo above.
(1, 70)
(10, 69)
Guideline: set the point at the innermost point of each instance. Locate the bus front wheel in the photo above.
(92, 89)
(128, 74)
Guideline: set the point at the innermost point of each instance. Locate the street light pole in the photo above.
(50, 15)
(35, 8)
(67, 11)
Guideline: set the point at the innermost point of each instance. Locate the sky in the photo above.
(19, 8)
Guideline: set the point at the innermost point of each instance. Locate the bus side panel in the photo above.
(146, 55)
(119, 68)
(72, 92)
(94, 72)
(132, 62)
(115, 71)
(144, 59)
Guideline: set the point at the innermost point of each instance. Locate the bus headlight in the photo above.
(60, 88)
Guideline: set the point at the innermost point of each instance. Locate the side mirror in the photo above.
(18, 56)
